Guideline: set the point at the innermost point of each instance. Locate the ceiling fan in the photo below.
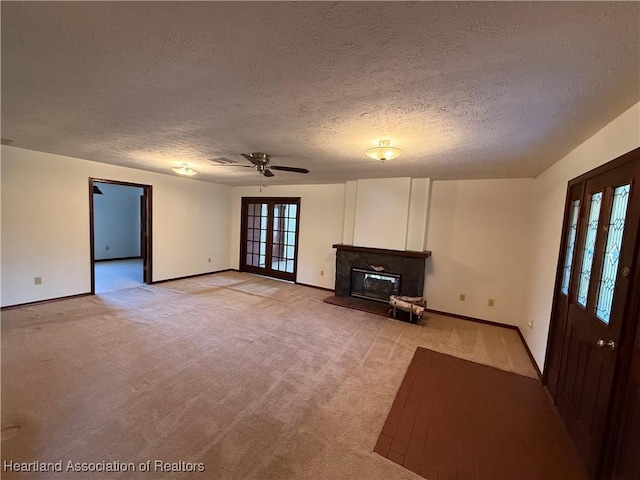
(261, 163)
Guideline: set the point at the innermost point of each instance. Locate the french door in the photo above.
(269, 239)
(592, 302)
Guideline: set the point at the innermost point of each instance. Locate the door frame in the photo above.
(613, 425)
(147, 273)
(243, 236)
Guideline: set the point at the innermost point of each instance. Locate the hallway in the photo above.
(118, 274)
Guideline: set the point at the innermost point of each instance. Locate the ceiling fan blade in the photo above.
(267, 173)
(289, 169)
(253, 160)
(235, 165)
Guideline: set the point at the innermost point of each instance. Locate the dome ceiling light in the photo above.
(383, 151)
(184, 169)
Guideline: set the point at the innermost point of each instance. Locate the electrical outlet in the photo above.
(491, 302)
(38, 280)
(530, 323)
(322, 273)
(462, 297)
(209, 259)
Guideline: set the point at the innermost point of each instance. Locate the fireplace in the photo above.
(374, 285)
(355, 265)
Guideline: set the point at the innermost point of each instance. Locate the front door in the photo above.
(599, 255)
(269, 240)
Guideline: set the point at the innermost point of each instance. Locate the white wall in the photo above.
(116, 219)
(45, 224)
(321, 225)
(350, 195)
(382, 211)
(479, 235)
(490, 238)
(618, 137)
(419, 203)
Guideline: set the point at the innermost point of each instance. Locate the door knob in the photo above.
(606, 344)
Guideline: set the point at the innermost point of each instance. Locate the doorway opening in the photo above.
(120, 234)
(269, 239)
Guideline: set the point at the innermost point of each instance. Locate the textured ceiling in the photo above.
(467, 90)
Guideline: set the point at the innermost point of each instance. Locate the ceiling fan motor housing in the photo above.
(260, 161)
(263, 157)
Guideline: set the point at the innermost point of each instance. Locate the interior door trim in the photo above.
(148, 192)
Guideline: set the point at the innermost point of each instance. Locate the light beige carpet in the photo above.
(252, 377)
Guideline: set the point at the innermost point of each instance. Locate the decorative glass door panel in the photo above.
(611, 257)
(270, 236)
(592, 298)
(589, 248)
(570, 247)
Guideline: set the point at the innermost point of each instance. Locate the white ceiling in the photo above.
(467, 90)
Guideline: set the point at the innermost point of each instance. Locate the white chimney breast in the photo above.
(382, 211)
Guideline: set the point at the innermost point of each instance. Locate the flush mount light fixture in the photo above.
(184, 169)
(383, 151)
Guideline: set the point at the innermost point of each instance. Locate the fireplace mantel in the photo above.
(383, 251)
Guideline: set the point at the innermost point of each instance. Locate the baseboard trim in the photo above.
(526, 347)
(48, 300)
(316, 287)
(473, 319)
(115, 259)
(495, 324)
(193, 276)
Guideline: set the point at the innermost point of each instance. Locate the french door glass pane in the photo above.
(589, 248)
(257, 234)
(607, 283)
(571, 244)
(284, 228)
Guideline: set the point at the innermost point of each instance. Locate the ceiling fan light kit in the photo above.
(384, 151)
(261, 163)
(184, 169)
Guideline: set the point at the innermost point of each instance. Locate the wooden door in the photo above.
(626, 438)
(597, 299)
(563, 282)
(627, 456)
(269, 240)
